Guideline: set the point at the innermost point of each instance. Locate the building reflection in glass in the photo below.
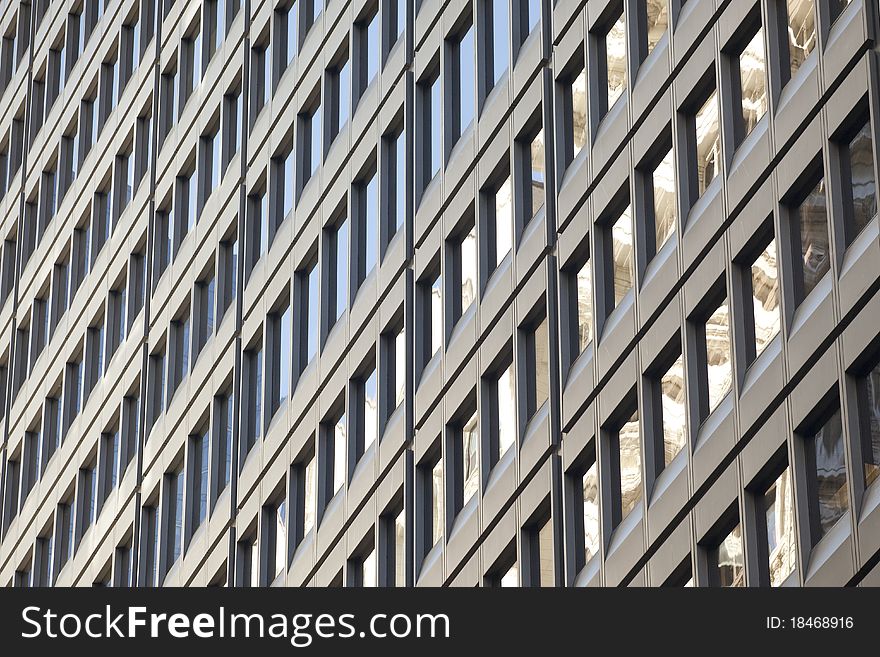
(622, 253)
(663, 181)
(813, 220)
(470, 435)
(801, 32)
(765, 297)
(615, 54)
(730, 571)
(591, 511)
(779, 515)
(753, 81)
(672, 391)
(718, 355)
(708, 139)
(630, 445)
(832, 490)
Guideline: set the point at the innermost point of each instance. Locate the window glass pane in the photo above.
(815, 248)
(312, 314)
(630, 443)
(730, 560)
(779, 515)
(371, 416)
(470, 435)
(433, 122)
(436, 317)
(373, 48)
(708, 142)
(545, 555)
(437, 501)
(500, 47)
(663, 180)
(579, 111)
(310, 496)
(673, 410)
(371, 248)
(591, 511)
(466, 90)
(341, 263)
(399, 367)
(864, 185)
(622, 253)
(284, 361)
(537, 169)
(801, 31)
(503, 220)
(368, 570)
(765, 297)
(468, 269)
(832, 489)
(288, 182)
(400, 550)
(615, 52)
(400, 180)
(506, 410)
(339, 454)
(280, 539)
(315, 141)
(718, 356)
(584, 283)
(753, 81)
(658, 20)
(541, 371)
(510, 579)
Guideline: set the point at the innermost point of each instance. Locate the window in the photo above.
(157, 387)
(150, 546)
(223, 427)
(856, 156)
(762, 315)
(777, 522)
(109, 461)
(725, 559)
(394, 12)
(306, 300)
(801, 31)
(131, 424)
(123, 565)
(193, 63)
(232, 117)
(257, 227)
(538, 554)
(625, 454)
(497, 48)
(654, 15)
(95, 354)
(429, 500)
(466, 452)
(228, 273)
(430, 309)
(750, 65)
(339, 96)
(276, 528)
(332, 458)
(619, 255)
(808, 216)
(311, 12)
(659, 188)
(533, 178)
(174, 488)
(827, 484)
(537, 379)
(365, 393)
(712, 344)
(430, 137)
(501, 410)
(463, 256)
(170, 108)
(284, 180)
(336, 272)
(612, 47)
(198, 477)
(575, 104)
(366, 45)
(310, 142)
(261, 78)
(180, 350)
(704, 153)
(206, 311)
(667, 398)
(73, 384)
(248, 569)
(303, 496)
(278, 362)
(253, 396)
(392, 548)
(10, 498)
(499, 224)
(215, 12)
(461, 74)
(394, 183)
(87, 497)
(210, 166)
(578, 303)
(365, 240)
(528, 15)
(186, 204)
(393, 367)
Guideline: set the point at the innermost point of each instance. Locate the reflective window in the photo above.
(505, 391)
(832, 491)
(311, 495)
(673, 410)
(399, 367)
(579, 111)
(465, 64)
(779, 516)
(468, 255)
(339, 268)
(339, 440)
(765, 297)
(615, 60)
(503, 220)
(708, 140)
(869, 423)
(591, 512)
(470, 436)
(584, 285)
(436, 317)
(663, 183)
(285, 364)
(802, 34)
(280, 532)
(510, 579)
(718, 355)
(728, 562)
(536, 168)
(546, 574)
(862, 197)
(538, 347)
(437, 502)
(753, 82)
(622, 255)
(432, 126)
(629, 442)
(657, 21)
(500, 11)
(400, 550)
(812, 216)
(369, 575)
(371, 410)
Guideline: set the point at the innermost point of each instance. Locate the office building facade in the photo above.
(422, 293)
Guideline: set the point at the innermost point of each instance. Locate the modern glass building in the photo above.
(421, 293)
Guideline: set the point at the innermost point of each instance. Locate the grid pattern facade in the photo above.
(411, 292)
